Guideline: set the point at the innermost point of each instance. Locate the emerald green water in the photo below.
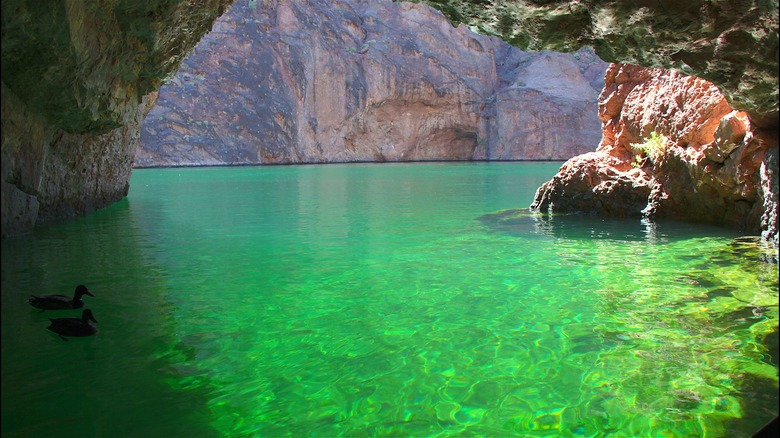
(385, 300)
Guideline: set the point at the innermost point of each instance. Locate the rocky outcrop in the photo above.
(731, 43)
(347, 80)
(672, 147)
(50, 174)
(74, 77)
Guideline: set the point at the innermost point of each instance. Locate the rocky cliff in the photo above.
(707, 149)
(349, 80)
(731, 43)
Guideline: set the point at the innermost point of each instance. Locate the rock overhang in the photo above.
(79, 63)
(85, 66)
(731, 43)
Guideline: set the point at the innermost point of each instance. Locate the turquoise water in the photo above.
(385, 300)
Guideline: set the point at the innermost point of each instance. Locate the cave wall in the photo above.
(75, 75)
(50, 174)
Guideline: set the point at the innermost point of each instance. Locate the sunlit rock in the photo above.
(705, 165)
(335, 81)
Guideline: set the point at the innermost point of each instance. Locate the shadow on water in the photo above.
(115, 383)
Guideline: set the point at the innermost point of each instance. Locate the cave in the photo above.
(78, 80)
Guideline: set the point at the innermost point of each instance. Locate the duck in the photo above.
(74, 326)
(56, 302)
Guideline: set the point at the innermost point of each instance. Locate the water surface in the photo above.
(385, 300)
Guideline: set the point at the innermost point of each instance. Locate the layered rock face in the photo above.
(348, 80)
(672, 147)
(74, 77)
(50, 174)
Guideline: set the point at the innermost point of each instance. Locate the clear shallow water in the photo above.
(385, 300)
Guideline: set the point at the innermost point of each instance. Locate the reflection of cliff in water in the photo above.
(525, 222)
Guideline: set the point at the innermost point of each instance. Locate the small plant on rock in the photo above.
(637, 163)
(653, 147)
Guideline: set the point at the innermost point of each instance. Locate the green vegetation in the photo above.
(637, 163)
(653, 147)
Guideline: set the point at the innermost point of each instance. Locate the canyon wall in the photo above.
(335, 81)
(731, 43)
(710, 146)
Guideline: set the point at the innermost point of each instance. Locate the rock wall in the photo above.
(708, 173)
(50, 174)
(348, 80)
(74, 80)
(672, 147)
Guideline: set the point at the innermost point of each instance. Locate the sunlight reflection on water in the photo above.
(387, 300)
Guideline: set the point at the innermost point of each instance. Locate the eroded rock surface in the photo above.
(672, 147)
(75, 76)
(711, 172)
(51, 174)
(348, 80)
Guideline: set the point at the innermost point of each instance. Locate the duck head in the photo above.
(82, 290)
(87, 316)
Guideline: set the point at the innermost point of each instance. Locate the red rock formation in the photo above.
(707, 166)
